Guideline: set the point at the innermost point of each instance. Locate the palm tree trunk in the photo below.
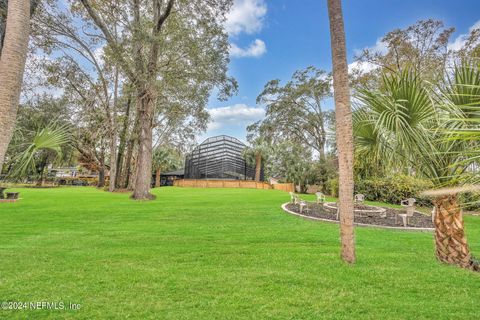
(343, 117)
(12, 65)
(258, 166)
(3, 17)
(450, 240)
(157, 179)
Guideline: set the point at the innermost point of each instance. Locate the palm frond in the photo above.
(52, 137)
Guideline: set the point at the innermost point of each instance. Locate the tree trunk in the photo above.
(143, 178)
(128, 164)
(132, 164)
(132, 172)
(130, 160)
(41, 178)
(258, 166)
(122, 145)
(101, 177)
(343, 117)
(113, 162)
(12, 66)
(321, 152)
(101, 170)
(450, 240)
(113, 136)
(157, 179)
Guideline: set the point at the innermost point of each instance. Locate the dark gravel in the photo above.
(418, 220)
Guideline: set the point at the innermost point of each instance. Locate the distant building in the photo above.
(219, 157)
(167, 178)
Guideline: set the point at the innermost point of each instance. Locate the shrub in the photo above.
(470, 201)
(77, 181)
(394, 190)
(332, 187)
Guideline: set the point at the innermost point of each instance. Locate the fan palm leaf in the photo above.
(400, 113)
(52, 137)
(462, 94)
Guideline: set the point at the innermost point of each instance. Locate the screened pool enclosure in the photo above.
(219, 157)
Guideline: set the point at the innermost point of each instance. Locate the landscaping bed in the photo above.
(418, 220)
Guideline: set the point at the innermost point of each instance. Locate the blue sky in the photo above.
(272, 38)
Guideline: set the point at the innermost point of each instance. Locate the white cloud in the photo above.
(246, 16)
(235, 115)
(461, 40)
(378, 47)
(256, 49)
(98, 54)
(361, 66)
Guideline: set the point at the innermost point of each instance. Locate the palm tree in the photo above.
(411, 119)
(344, 129)
(164, 159)
(258, 151)
(12, 64)
(51, 138)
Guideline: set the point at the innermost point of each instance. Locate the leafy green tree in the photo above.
(291, 163)
(422, 47)
(165, 159)
(156, 36)
(91, 143)
(79, 66)
(294, 111)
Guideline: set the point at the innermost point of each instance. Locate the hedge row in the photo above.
(77, 181)
(394, 190)
(391, 190)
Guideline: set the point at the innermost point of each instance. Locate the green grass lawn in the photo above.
(216, 254)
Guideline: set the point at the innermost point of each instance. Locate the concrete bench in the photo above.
(12, 195)
(320, 197)
(359, 198)
(409, 204)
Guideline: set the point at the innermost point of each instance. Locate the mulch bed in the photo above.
(8, 200)
(41, 187)
(418, 220)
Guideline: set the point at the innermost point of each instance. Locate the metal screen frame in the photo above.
(219, 158)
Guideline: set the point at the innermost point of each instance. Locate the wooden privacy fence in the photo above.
(193, 183)
(287, 187)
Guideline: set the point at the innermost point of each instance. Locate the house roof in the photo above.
(179, 172)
